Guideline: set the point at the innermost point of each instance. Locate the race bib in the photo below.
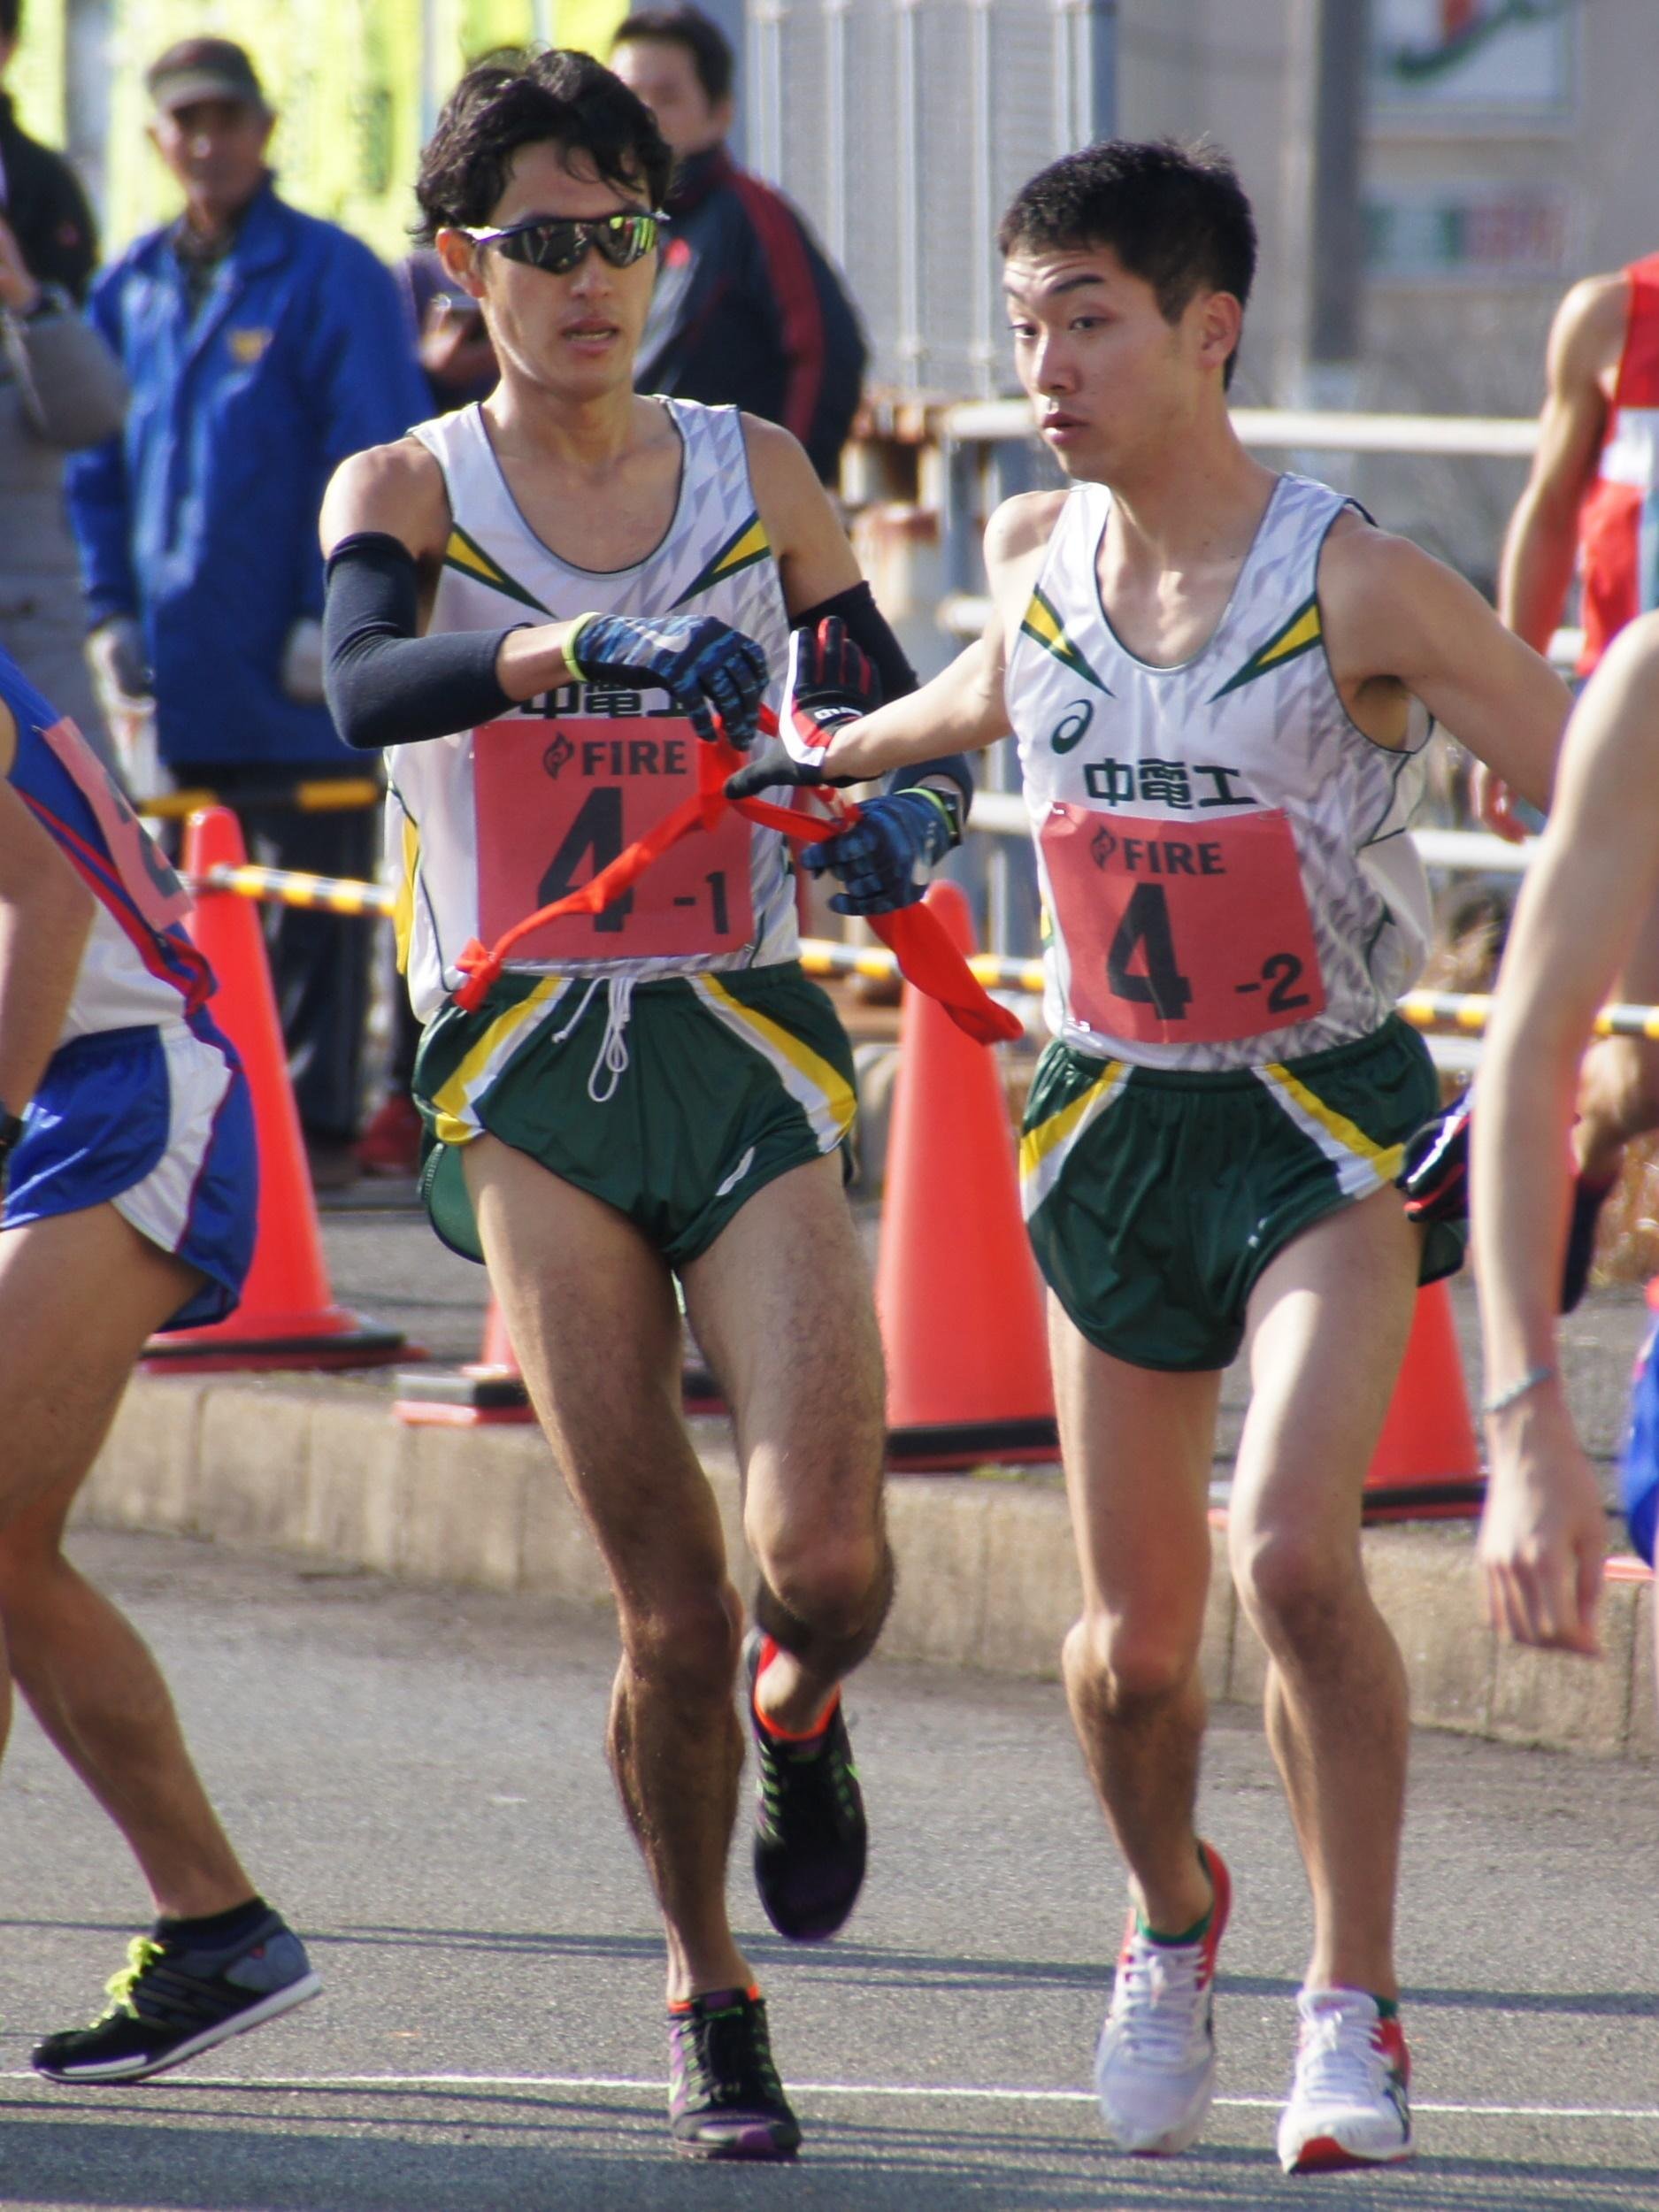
(559, 801)
(1180, 936)
(154, 889)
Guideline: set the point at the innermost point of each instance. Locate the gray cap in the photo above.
(203, 69)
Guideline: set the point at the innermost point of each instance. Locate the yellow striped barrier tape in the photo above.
(1469, 1011)
(320, 795)
(285, 887)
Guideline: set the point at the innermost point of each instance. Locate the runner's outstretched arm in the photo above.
(1597, 872)
(385, 525)
(961, 709)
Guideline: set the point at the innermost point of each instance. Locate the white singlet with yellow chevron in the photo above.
(714, 559)
(1235, 885)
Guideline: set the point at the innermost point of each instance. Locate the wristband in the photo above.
(571, 661)
(1500, 1401)
(949, 807)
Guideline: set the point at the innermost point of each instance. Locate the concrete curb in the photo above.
(986, 1576)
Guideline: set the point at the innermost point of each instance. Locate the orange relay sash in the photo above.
(925, 954)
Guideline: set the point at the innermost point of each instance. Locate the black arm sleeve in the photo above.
(870, 630)
(384, 685)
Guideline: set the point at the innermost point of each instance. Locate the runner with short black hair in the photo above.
(1221, 682)
(546, 605)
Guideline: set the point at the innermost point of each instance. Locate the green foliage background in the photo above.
(355, 82)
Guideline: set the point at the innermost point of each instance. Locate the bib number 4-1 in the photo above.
(558, 802)
(1178, 935)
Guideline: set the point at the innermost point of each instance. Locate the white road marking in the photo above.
(952, 2092)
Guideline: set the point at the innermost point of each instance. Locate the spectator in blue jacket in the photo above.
(262, 346)
(748, 312)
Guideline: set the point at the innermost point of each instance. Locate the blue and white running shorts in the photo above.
(157, 1122)
(1639, 1464)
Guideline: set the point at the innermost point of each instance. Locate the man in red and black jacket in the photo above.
(747, 311)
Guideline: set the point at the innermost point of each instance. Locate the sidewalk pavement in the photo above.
(318, 1466)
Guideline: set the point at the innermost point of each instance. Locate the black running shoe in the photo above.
(172, 2000)
(809, 1831)
(1587, 1201)
(725, 2099)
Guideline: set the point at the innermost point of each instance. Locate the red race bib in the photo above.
(1178, 934)
(558, 801)
(137, 859)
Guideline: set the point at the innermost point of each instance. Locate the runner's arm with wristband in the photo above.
(887, 858)
(384, 518)
(961, 709)
(1586, 896)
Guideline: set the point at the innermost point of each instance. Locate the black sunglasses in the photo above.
(557, 242)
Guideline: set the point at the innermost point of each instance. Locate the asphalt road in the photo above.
(417, 1777)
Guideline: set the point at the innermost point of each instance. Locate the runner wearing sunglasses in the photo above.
(542, 604)
(557, 242)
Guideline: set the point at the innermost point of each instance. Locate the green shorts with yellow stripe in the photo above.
(674, 1100)
(1155, 1197)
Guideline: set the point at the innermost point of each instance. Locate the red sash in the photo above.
(925, 954)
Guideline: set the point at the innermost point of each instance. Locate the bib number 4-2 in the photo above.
(558, 802)
(1176, 935)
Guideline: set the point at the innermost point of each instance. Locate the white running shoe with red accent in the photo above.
(1155, 2070)
(1349, 2104)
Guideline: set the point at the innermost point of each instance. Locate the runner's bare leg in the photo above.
(781, 1303)
(590, 1307)
(1331, 1317)
(79, 1295)
(1136, 1443)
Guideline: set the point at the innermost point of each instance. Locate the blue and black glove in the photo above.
(831, 682)
(887, 858)
(700, 663)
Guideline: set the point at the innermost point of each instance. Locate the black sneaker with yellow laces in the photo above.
(184, 1989)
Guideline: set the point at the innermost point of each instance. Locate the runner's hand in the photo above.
(705, 668)
(1543, 1534)
(831, 682)
(887, 858)
(1492, 802)
(775, 765)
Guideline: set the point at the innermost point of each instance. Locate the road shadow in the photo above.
(232, 2155)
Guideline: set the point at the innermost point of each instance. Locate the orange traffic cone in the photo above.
(489, 1393)
(287, 1316)
(1427, 1464)
(957, 1289)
